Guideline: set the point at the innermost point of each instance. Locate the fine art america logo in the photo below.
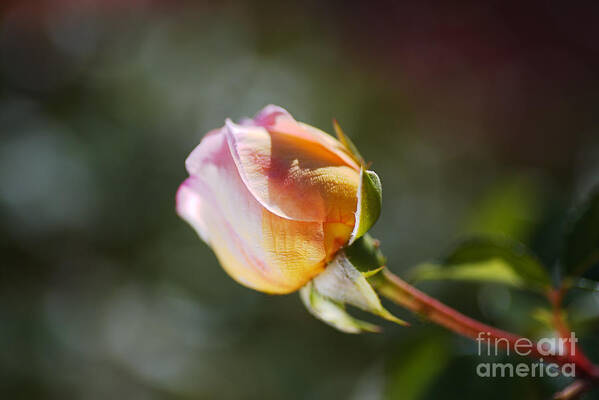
(545, 347)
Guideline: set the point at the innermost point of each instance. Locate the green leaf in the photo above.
(583, 312)
(511, 206)
(491, 260)
(545, 317)
(349, 145)
(370, 201)
(421, 361)
(581, 246)
(494, 270)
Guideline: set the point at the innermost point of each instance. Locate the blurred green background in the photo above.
(479, 117)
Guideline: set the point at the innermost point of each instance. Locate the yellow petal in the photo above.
(336, 235)
(256, 247)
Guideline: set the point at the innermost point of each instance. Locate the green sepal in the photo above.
(370, 201)
(372, 272)
(370, 192)
(342, 283)
(349, 145)
(366, 256)
(332, 312)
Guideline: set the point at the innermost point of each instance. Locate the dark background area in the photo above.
(480, 117)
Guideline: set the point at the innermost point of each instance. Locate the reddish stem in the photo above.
(404, 294)
(555, 297)
(574, 391)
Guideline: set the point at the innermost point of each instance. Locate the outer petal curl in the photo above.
(295, 176)
(257, 248)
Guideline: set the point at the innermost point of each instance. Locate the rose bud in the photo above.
(277, 199)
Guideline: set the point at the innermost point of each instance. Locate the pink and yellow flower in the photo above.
(274, 198)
